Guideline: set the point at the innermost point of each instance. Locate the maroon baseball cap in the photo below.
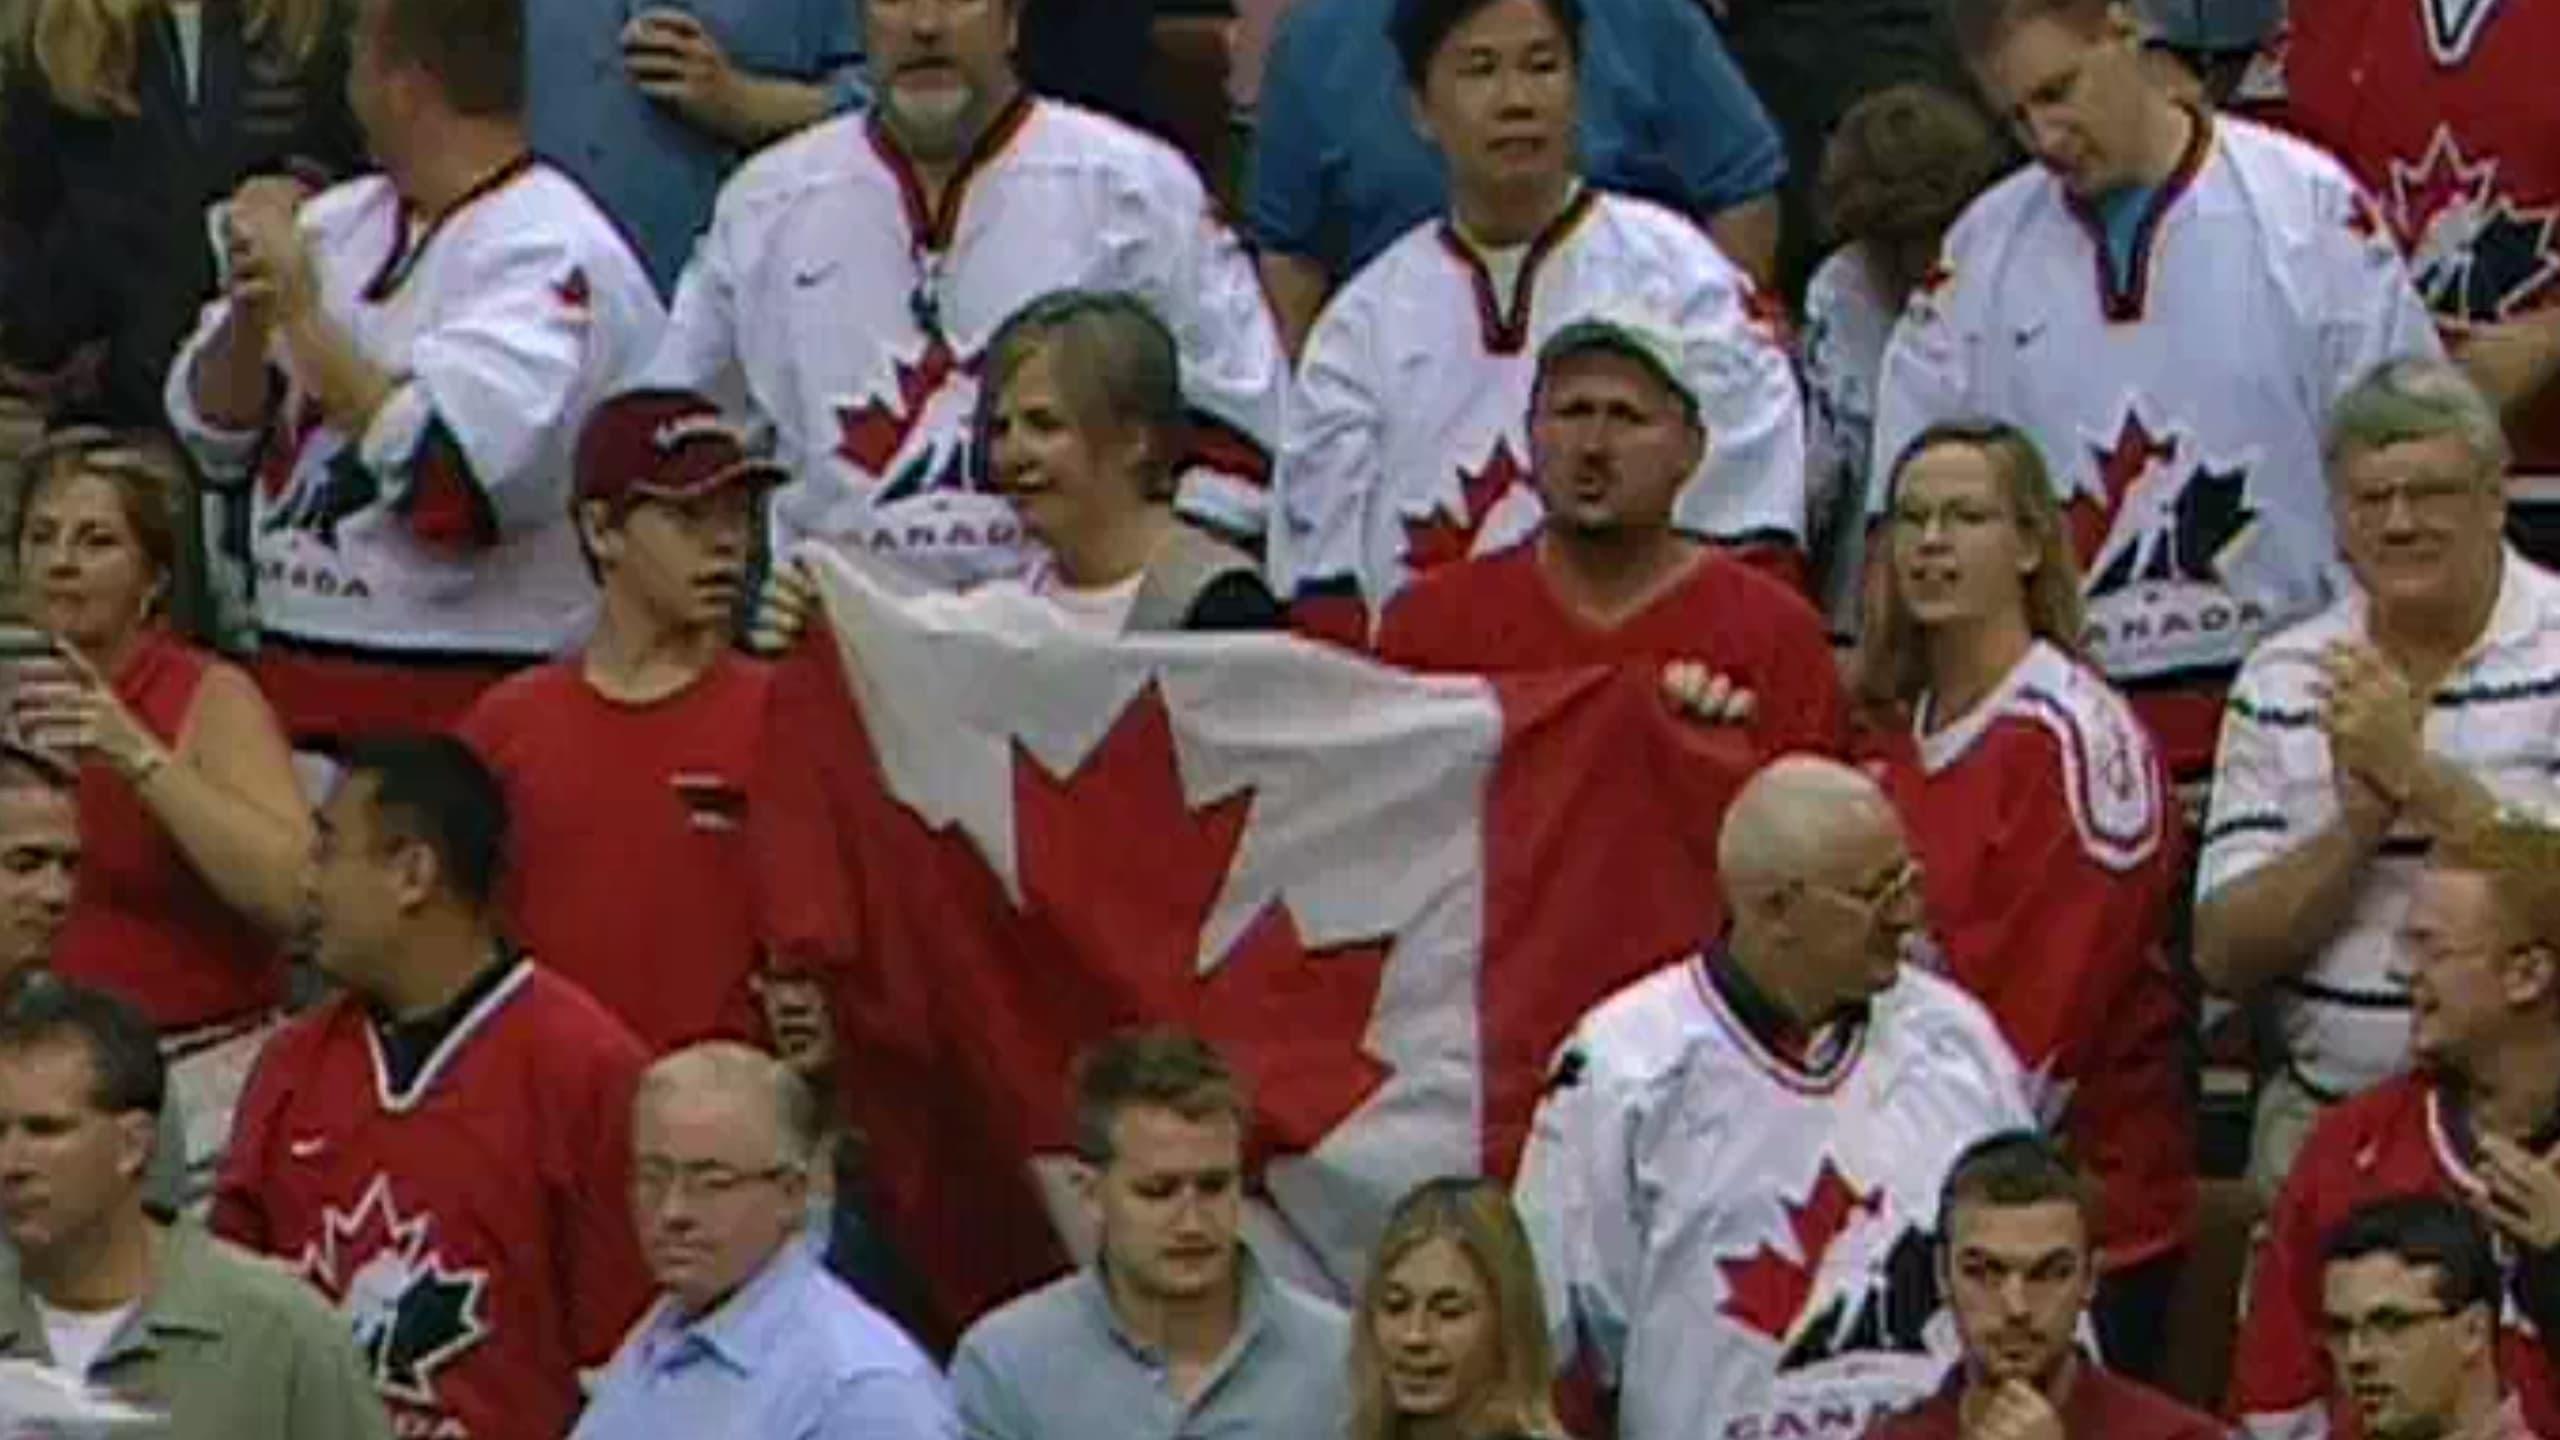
(664, 445)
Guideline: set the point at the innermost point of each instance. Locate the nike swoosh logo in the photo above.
(803, 279)
(306, 1147)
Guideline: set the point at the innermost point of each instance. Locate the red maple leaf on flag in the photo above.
(1121, 872)
(871, 434)
(1440, 538)
(2093, 517)
(1767, 1289)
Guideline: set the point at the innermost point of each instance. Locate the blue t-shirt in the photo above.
(2120, 214)
(1339, 171)
(652, 170)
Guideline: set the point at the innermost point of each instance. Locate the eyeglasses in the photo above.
(654, 1181)
(2430, 502)
(2387, 1323)
(1876, 899)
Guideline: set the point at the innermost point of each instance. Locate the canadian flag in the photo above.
(1385, 898)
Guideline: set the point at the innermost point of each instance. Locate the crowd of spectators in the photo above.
(2091, 462)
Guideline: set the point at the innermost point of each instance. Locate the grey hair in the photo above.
(727, 1067)
(2411, 399)
(1114, 361)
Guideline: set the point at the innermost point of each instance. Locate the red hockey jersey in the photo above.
(2049, 862)
(2403, 1137)
(1498, 614)
(2446, 110)
(475, 1227)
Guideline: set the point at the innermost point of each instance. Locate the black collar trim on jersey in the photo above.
(408, 1055)
(933, 226)
(1506, 331)
(2124, 305)
(1811, 1061)
(405, 253)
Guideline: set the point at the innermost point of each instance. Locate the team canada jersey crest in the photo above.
(2158, 523)
(413, 1310)
(2474, 250)
(1848, 1278)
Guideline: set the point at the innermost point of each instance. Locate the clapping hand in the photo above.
(784, 607)
(59, 704)
(2523, 1192)
(2374, 719)
(270, 267)
(671, 58)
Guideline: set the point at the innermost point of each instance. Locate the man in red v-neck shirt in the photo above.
(1614, 430)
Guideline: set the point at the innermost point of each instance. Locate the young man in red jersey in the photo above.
(2477, 1120)
(645, 735)
(1614, 431)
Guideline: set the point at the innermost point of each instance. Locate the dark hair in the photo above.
(1898, 170)
(2425, 1232)
(41, 1008)
(1114, 362)
(1980, 26)
(1168, 1068)
(473, 48)
(434, 790)
(2012, 1169)
(24, 767)
(1420, 27)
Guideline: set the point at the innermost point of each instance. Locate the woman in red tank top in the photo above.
(194, 831)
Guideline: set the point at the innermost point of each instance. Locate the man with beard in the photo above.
(2477, 1121)
(2016, 1259)
(2409, 1308)
(1614, 433)
(1174, 1329)
(1734, 1177)
(854, 274)
(645, 735)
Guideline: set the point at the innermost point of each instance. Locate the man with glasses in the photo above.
(2410, 1294)
(2405, 712)
(442, 1148)
(2473, 1124)
(1733, 1181)
(751, 1337)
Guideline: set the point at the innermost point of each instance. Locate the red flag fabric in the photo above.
(1386, 899)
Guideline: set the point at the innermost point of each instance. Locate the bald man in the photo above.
(750, 1336)
(1733, 1179)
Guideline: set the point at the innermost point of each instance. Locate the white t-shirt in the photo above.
(77, 1336)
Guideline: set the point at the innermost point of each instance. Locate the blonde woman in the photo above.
(121, 122)
(2037, 808)
(1450, 1342)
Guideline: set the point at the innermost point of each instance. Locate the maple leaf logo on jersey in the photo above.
(2473, 251)
(1308, 1073)
(2146, 514)
(873, 433)
(412, 1313)
(1875, 1307)
(1441, 538)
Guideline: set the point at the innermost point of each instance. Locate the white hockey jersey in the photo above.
(444, 529)
(1406, 446)
(1739, 1239)
(1847, 322)
(2181, 411)
(827, 303)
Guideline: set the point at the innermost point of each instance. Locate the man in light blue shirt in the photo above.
(651, 103)
(752, 1339)
(1339, 170)
(1174, 1332)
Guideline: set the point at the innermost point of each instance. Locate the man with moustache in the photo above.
(645, 735)
(853, 276)
(1174, 1329)
(2018, 1262)
(1615, 431)
(2409, 1298)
